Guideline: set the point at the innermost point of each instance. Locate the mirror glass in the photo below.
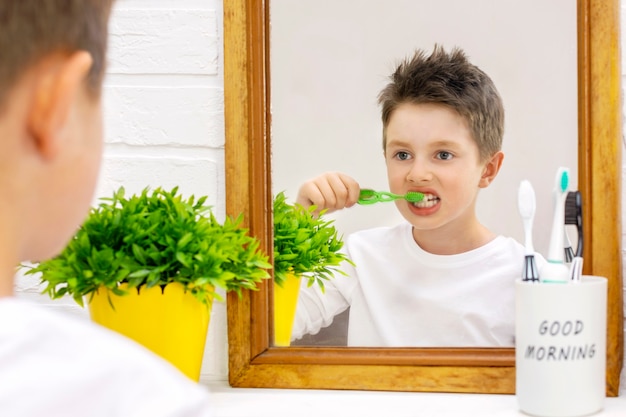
(329, 59)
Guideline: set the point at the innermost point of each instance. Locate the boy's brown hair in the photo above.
(33, 29)
(451, 80)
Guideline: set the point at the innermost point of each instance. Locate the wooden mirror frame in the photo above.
(254, 363)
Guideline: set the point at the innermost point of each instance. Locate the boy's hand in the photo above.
(330, 191)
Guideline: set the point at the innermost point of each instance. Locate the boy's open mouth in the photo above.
(429, 201)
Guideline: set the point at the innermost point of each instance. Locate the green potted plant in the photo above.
(305, 246)
(149, 266)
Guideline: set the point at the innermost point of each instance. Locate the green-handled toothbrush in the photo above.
(368, 196)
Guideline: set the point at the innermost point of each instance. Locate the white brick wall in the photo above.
(164, 114)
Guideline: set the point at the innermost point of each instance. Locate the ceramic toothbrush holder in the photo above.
(561, 347)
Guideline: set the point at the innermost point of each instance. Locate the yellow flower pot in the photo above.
(285, 302)
(172, 323)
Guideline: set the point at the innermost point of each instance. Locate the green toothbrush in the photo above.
(368, 196)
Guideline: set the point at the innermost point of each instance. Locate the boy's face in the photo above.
(430, 149)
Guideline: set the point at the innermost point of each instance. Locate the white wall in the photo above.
(164, 120)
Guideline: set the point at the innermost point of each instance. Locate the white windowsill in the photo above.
(260, 402)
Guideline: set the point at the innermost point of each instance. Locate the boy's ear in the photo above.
(491, 169)
(57, 86)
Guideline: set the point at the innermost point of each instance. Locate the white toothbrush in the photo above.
(526, 204)
(555, 270)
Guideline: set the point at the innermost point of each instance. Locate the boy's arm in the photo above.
(330, 191)
(317, 309)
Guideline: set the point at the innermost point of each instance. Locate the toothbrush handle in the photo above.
(384, 196)
(370, 196)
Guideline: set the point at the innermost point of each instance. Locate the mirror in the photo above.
(253, 363)
(325, 117)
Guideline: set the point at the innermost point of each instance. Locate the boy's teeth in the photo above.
(425, 204)
(428, 201)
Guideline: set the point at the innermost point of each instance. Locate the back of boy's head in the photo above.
(33, 29)
(451, 80)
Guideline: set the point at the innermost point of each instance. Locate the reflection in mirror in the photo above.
(327, 70)
(253, 362)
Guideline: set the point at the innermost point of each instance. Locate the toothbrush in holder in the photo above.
(368, 196)
(574, 215)
(555, 269)
(526, 204)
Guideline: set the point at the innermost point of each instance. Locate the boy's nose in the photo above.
(419, 173)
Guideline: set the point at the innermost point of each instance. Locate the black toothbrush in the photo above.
(574, 215)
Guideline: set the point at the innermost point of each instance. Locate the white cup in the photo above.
(560, 353)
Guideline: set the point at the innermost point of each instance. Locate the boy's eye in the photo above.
(403, 156)
(444, 155)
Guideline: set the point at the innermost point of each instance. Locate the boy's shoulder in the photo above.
(59, 358)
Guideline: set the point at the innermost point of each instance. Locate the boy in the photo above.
(53, 58)
(441, 278)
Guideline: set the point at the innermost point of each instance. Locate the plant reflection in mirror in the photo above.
(304, 244)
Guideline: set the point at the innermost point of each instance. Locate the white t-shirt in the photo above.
(401, 295)
(53, 365)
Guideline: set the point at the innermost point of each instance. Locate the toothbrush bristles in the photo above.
(530, 273)
(414, 197)
(572, 207)
(569, 254)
